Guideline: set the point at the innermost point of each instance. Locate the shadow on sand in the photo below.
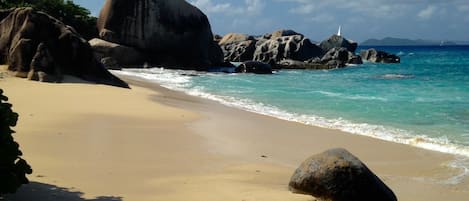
(45, 192)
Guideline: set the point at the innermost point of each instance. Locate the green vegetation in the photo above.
(65, 10)
(13, 169)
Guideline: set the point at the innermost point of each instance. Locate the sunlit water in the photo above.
(423, 102)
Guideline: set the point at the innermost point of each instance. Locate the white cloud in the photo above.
(303, 9)
(427, 13)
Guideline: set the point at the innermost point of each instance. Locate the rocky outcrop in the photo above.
(254, 67)
(281, 33)
(336, 41)
(238, 47)
(172, 33)
(294, 47)
(122, 54)
(337, 175)
(376, 56)
(40, 47)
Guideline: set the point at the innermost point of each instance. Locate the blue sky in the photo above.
(318, 19)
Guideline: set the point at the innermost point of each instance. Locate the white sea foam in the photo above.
(181, 81)
(350, 97)
(395, 76)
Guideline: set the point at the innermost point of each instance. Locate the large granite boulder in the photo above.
(172, 32)
(337, 175)
(294, 47)
(40, 47)
(338, 41)
(376, 56)
(122, 54)
(238, 47)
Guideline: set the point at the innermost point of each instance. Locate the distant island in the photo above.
(389, 41)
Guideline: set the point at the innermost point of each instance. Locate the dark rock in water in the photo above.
(122, 54)
(354, 59)
(337, 56)
(336, 41)
(294, 47)
(292, 64)
(254, 67)
(337, 175)
(173, 32)
(238, 47)
(377, 56)
(40, 47)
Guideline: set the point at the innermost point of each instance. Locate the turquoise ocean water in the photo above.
(423, 101)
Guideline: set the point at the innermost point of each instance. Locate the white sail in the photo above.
(339, 32)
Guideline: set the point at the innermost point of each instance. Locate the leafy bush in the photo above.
(13, 169)
(65, 10)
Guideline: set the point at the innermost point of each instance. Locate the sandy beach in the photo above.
(102, 143)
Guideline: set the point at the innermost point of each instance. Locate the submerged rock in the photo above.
(337, 175)
(254, 67)
(301, 65)
(172, 32)
(377, 56)
(40, 47)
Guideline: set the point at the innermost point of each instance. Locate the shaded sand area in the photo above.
(101, 143)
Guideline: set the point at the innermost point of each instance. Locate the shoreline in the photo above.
(376, 131)
(177, 146)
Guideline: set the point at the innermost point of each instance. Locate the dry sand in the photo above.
(85, 141)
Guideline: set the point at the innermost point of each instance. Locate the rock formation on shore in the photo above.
(288, 49)
(172, 33)
(40, 47)
(337, 175)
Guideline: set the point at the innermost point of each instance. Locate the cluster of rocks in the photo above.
(287, 49)
(175, 34)
(39, 47)
(338, 175)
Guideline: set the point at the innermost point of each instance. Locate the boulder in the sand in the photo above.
(377, 56)
(171, 32)
(337, 175)
(254, 67)
(41, 47)
(122, 54)
(336, 41)
(294, 47)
